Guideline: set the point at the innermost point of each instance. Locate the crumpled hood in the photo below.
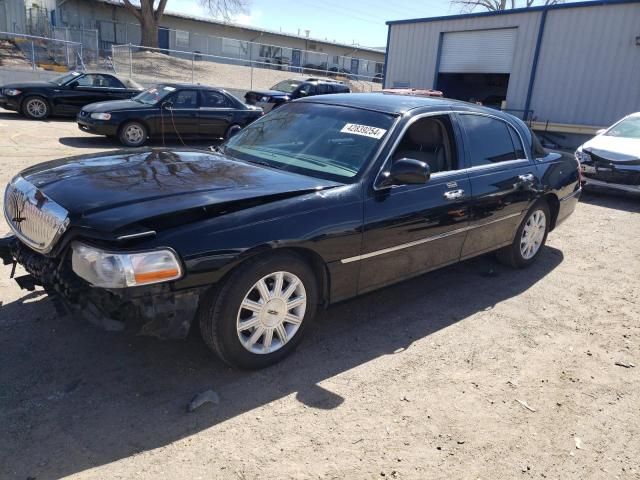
(114, 106)
(110, 190)
(617, 149)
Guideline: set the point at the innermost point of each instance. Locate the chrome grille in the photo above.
(36, 220)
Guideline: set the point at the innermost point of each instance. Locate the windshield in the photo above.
(628, 128)
(153, 95)
(286, 86)
(62, 79)
(324, 141)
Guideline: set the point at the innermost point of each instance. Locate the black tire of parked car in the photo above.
(127, 137)
(512, 255)
(218, 312)
(231, 131)
(36, 107)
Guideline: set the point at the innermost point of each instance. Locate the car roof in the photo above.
(195, 86)
(396, 104)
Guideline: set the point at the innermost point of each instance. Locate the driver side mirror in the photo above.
(167, 105)
(303, 93)
(406, 171)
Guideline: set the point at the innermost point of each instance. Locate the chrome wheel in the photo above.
(134, 134)
(271, 312)
(533, 234)
(36, 108)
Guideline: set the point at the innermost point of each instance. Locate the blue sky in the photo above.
(352, 21)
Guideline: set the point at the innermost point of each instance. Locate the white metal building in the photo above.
(572, 68)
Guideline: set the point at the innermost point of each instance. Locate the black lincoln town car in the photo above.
(169, 110)
(318, 201)
(65, 95)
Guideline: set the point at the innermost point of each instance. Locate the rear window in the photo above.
(537, 150)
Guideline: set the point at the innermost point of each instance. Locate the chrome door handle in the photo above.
(454, 194)
(527, 178)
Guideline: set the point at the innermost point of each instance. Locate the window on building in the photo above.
(489, 140)
(182, 39)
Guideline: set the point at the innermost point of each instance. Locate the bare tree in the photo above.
(495, 5)
(149, 13)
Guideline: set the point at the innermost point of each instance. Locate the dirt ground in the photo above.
(476, 371)
(151, 67)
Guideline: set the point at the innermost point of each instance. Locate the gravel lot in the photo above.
(474, 371)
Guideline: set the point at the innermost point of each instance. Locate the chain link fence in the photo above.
(89, 38)
(153, 65)
(32, 52)
(236, 51)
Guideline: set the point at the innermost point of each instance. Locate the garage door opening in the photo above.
(490, 89)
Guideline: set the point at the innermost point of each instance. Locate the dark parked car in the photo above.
(65, 95)
(184, 110)
(288, 90)
(321, 200)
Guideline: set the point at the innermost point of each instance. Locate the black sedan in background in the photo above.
(65, 95)
(288, 90)
(169, 110)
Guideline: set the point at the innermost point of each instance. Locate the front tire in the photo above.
(259, 314)
(133, 134)
(36, 108)
(232, 131)
(530, 237)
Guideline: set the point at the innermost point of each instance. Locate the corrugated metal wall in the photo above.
(413, 50)
(589, 66)
(588, 70)
(12, 16)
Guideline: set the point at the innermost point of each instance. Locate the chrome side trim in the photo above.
(136, 235)
(426, 240)
(573, 194)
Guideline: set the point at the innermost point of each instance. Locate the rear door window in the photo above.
(489, 140)
(212, 99)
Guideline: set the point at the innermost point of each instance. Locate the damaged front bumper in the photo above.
(156, 310)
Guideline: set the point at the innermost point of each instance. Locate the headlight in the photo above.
(12, 92)
(101, 116)
(582, 156)
(119, 270)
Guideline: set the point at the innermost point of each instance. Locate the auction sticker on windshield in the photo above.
(364, 130)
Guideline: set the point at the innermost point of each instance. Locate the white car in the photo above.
(612, 158)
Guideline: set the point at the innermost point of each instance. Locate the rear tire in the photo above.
(36, 108)
(529, 239)
(133, 134)
(259, 314)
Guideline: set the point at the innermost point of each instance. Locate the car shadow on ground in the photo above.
(105, 142)
(628, 202)
(73, 397)
(11, 115)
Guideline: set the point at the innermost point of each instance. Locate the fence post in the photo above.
(193, 57)
(33, 56)
(130, 62)
(251, 64)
